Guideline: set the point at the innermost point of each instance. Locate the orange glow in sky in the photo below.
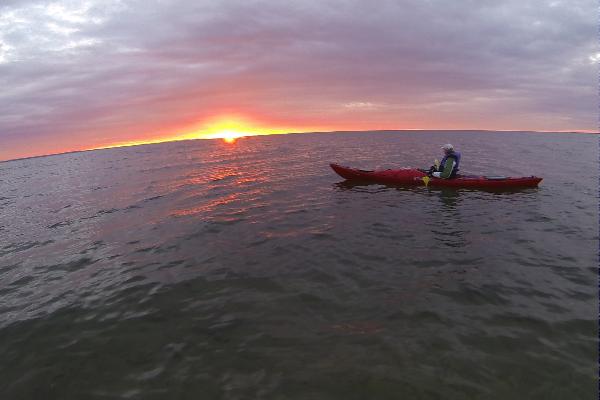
(227, 127)
(230, 127)
(233, 74)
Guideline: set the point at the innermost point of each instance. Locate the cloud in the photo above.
(362, 105)
(94, 71)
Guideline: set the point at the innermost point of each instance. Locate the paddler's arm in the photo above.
(447, 171)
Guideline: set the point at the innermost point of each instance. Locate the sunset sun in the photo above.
(227, 127)
(232, 127)
(229, 136)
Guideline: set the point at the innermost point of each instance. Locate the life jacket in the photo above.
(456, 156)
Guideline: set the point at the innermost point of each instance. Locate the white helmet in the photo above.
(448, 147)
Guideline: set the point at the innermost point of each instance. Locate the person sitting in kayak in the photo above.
(448, 168)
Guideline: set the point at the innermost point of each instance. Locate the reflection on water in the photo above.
(248, 270)
(449, 231)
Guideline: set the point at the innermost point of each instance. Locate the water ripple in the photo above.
(251, 270)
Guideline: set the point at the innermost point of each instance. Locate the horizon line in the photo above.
(296, 133)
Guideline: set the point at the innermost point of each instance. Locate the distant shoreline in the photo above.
(297, 133)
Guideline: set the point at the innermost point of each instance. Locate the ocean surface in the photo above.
(209, 270)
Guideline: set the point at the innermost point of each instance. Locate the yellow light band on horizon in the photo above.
(224, 127)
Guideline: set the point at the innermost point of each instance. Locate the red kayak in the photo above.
(414, 176)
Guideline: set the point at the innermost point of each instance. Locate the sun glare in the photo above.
(228, 128)
(228, 136)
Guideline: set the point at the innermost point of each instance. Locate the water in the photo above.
(203, 269)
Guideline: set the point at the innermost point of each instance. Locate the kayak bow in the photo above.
(414, 176)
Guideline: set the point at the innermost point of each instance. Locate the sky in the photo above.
(88, 74)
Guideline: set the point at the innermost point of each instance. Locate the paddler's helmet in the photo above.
(448, 148)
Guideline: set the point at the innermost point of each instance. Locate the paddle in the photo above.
(426, 178)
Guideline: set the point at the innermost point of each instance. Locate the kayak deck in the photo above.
(414, 176)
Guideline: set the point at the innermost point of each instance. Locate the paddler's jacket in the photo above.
(449, 166)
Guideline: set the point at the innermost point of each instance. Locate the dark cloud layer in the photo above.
(84, 73)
